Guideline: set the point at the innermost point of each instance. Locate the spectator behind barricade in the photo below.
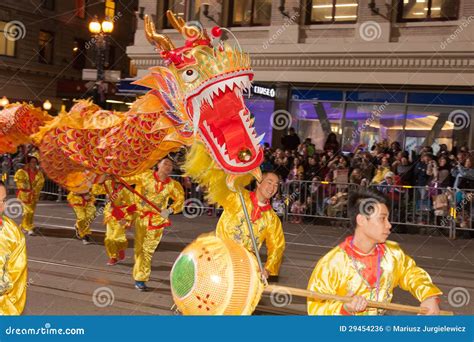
(442, 173)
(405, 171)
(337, 205)
(464, 174)
(267, 165)
(341, 171)
(356, 178)
(390, 186)
(395, 148)
(278, 204)
(443, 151)
(382, 169)
(423, 170)
(302, 151)
(290, 141)
(298, 208)
(331, 144)
(296, 168)
(313, 167)
(366, 166)
(310, 148)
(397, 161)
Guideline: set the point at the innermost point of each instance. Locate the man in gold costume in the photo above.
(85, 211)
(119, 215)
(29, 181)
(159, 188)
(367, 266)
(13, 263)
(265, 222)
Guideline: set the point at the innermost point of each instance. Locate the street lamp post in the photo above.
(100, 33)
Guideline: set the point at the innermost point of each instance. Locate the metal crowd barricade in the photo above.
(462, 211)
(410, 206)
(316, 199)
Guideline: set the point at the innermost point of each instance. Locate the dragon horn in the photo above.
(177, 22)
(190, 30)
(161, 41)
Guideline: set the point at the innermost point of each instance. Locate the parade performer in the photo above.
(85, 211)
(367, 266)
(13, 263)
(119, 215)
(29, 181)
(159, 188)
(266, 223)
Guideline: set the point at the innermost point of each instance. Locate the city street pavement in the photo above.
(68, 278)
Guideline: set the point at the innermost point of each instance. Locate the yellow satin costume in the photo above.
(119, 214)
(85, 210)
(339, 273)
(266, 227)
(13, 268)
(149, 223)
(28, 191)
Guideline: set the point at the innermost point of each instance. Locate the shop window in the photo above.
(332, 11)
(79, 54)
(7, 46)
(368, 124)
(316, 119)
(426, 10)
(46, 45)
(250, 12)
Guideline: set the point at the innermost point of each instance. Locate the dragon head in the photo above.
(213, 77)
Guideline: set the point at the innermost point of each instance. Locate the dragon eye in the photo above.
(189, 75)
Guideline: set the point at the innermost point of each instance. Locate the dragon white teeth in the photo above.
(260, 138)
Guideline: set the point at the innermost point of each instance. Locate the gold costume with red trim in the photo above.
(266, 226)
(84, 209)
(345, 270)
(29, 184)
(119, 214)
(149, 223)
(13, 268)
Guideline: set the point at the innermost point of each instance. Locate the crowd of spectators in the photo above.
(385, 165)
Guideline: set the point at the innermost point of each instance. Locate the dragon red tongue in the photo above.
(226, 125)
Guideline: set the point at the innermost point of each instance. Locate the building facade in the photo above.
(46, 44)
(367, 70)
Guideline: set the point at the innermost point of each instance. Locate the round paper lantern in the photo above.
(213, 276)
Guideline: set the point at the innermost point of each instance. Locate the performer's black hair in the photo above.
(3, 184)
(362, 201)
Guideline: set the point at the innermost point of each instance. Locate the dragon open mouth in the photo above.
(219, 114)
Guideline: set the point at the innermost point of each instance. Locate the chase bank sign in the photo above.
(265, 91)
